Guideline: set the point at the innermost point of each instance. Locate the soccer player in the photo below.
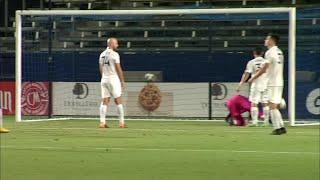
(112, 81)
(237, 105)
(274, 70)
(258, 89)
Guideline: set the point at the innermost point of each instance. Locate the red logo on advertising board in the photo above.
(35, 98)
(7, 97)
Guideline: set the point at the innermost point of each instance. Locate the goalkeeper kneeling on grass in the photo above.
(2, 129)
(237, 105)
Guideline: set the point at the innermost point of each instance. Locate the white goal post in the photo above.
(291, 48)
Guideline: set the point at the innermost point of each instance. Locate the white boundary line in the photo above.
(305, 123)
(130, 119)
(157, 149)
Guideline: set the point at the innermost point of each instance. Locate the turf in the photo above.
(78, 150)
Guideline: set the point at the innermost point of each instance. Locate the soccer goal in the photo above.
(57, 54)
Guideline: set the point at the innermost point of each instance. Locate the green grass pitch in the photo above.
(78, 150)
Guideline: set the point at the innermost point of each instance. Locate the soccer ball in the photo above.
(149, 77)
(283, 104)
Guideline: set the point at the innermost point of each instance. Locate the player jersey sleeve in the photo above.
(263, 62)
(269, 58)
(249, 68)
(116, 58)
(101, 57)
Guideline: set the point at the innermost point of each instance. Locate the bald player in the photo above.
(112, 82)
(274, 71)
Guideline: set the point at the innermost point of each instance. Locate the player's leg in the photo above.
(266, 113)
(265, 107)
(271, 96)
(104, 104)
(254, 110)
(116, 93)
(275, 97)
(2, 129)
(279, 91)
(118, 102)
(276, 119)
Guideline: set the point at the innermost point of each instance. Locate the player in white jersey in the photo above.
(274, 70)
(258, 89)
(112, 81)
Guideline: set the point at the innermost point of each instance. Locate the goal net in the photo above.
(196, 57)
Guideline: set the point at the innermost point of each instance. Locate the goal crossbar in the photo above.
(291, 49)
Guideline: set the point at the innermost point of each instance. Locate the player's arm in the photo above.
(262, 70)
(120, 73)
(245, 76)
(101, 65)
(119, 70)
(100, 68)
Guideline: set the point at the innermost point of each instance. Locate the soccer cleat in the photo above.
(276, 132)
(122, 126)
(102, 125)
(283, 130)
(4, 130)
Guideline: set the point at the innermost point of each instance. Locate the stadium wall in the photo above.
(177, 99)
(176, 67)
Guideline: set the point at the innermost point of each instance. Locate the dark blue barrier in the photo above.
(308, 100)
(176, 67)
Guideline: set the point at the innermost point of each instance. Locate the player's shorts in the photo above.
(258, 96)
(110, 87)
(275, 94)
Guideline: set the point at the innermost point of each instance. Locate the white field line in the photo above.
(308, 124)
(157, 149)
(258, 130)
(304, 123)
(133, 119)
(130, 119)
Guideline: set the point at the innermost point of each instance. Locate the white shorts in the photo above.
(110, 87)
(275, 94)
(257, 96)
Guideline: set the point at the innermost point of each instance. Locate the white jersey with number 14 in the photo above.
(108, 59)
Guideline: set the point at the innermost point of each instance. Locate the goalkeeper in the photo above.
(237, 105)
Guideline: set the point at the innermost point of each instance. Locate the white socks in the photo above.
(103, 113)
(266, 112)
(279, 118)
(276, 118)
(254, 115)
(121, 114)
